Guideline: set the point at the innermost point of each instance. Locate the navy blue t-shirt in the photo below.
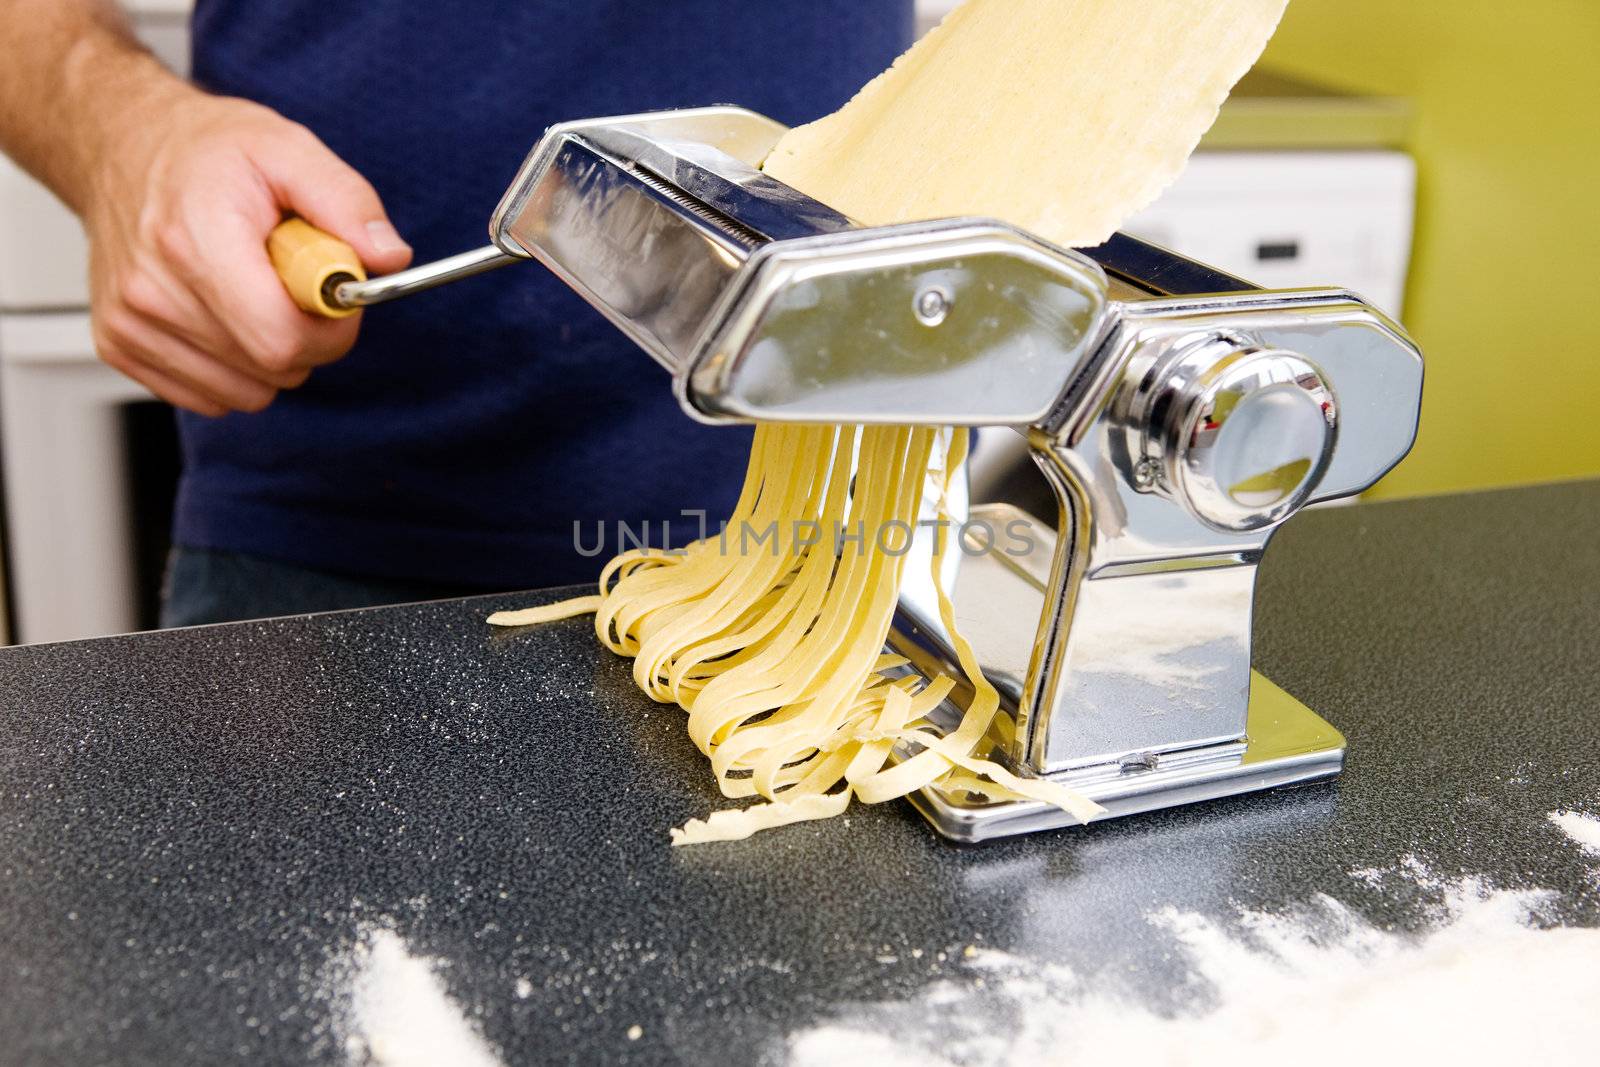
(473, 425)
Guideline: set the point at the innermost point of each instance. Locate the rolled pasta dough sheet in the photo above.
(1063, 117)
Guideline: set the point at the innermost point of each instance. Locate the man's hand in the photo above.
(184, 298)
(178, 191)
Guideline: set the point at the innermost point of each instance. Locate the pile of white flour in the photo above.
(395, 1010)
(1486, 984)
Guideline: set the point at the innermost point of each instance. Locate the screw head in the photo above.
(932, 305)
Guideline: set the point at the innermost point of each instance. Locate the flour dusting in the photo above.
(399, 1013)
(1315, 985)
(1584, 829)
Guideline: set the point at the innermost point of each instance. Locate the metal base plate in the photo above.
(1286, 743)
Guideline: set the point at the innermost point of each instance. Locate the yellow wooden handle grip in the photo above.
(306, 258)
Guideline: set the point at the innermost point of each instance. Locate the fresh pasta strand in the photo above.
(565, 609)
(776, 652)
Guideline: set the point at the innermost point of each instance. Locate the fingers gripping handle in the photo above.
(312, 264)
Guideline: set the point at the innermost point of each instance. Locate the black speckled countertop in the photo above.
(198, 828)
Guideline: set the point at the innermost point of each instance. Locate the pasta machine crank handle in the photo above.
(324, 275)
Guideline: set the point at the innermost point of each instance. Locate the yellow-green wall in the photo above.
(1504, 294)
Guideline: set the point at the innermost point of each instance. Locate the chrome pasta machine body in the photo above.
(1180, 416)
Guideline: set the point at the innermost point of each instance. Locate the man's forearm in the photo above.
(73, 73)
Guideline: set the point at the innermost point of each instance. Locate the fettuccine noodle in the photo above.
(771, 635)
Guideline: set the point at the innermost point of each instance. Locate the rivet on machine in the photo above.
(1179, 414)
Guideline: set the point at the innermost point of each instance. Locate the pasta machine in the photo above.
(1179, 414)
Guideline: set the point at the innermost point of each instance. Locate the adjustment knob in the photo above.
(1241, 435)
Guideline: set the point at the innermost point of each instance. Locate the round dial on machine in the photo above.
(1240, 434)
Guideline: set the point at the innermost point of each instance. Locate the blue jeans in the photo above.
(205, 586)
